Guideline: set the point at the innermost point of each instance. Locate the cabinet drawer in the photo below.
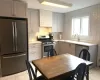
(34, 45)
(34, 55)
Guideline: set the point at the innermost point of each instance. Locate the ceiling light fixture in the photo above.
(55, 3)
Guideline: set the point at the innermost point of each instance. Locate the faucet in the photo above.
(77, 36)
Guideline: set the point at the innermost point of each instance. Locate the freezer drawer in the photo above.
(13, 63)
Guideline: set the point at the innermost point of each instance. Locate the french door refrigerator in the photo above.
(13, 45)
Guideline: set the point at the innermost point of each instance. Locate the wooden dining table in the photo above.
(58, 66)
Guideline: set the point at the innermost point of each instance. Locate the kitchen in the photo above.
(57, 21)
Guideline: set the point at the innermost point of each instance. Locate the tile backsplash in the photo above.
(44, 31)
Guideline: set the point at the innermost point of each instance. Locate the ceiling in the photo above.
(77, 4)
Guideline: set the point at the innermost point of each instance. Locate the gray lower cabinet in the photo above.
(63, 47)
(35, 51)
(56, 46)
(78, 48)
(92, 50)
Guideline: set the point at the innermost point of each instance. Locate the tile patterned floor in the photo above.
(94, 75)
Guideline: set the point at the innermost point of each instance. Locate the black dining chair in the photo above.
(31, 72)
(78, 73)
(52, 52)
(84, 54)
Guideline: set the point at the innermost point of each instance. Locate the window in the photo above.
(80, 26)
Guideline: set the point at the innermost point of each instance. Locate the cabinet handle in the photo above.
(13, 27)
(16, 35)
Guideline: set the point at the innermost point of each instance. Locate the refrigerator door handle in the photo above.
(16, 36)
(13, 27)
(6, 57)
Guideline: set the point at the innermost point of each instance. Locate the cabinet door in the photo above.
(71, 48)
(56, 46)
(54, 23)
(64, 47)
(79, 48)
(20, 9)
(60, 22)
(6, 36)
(6, 7)
(34, 51)
(21, 35)
(45, 18)
(57, 22)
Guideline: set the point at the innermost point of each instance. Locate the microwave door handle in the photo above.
(13, 27)
(16, 36)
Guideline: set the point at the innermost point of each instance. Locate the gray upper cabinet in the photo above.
(45, 18)
(57, 25)
(6, 7)
(20, 9)
(13, 8)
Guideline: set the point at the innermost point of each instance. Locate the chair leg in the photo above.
(87, 73)
(36, 72)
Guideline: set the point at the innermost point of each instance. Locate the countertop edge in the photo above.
(77, 43)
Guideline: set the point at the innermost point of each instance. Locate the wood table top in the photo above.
(55, 66)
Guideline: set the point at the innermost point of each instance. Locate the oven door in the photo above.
(46, 49)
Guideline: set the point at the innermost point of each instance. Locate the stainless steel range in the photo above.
(46, 47)
(47, 44)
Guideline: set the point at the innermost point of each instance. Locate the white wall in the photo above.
(94, 29)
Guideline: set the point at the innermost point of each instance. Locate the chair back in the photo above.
(30, 71)
(80, 71)
(84, 54)
(52, 52)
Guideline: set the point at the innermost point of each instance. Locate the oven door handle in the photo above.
(48, 44)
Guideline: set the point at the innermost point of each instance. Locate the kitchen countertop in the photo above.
(77, 42)
(68, 41)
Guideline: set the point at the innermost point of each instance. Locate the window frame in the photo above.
(80, 26)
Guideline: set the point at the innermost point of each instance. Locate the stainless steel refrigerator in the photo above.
(13, 45)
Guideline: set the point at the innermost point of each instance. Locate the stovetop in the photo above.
(46, 40)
